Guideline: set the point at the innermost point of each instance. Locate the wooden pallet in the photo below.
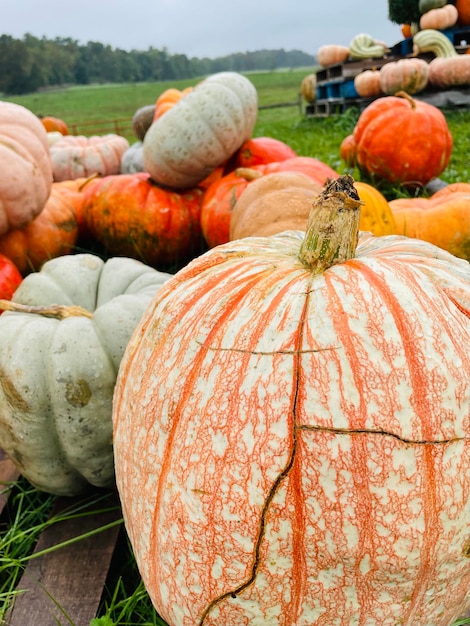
(68, 581)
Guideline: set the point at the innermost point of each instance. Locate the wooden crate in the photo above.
(68, 581)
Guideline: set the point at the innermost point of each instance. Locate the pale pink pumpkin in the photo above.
(292, 439)
(26, 168)
(80, 156)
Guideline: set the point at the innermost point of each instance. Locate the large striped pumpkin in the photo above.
(291, 432)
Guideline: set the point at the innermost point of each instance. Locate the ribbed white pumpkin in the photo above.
(78, 156)
(292, 443)
(57, 376)
(201, 131)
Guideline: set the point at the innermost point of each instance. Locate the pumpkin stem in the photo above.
(333, 225)
(403, 94)
(248, 173)
(59, 311)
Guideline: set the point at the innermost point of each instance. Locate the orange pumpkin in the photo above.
(220, 198)
(74, 191)
(400, 139)
(406, 30)
(347, 150)
(463, 9)
(291, 432)
(52, 233)
(376, 214)
(367, 84)
(168, 99)
(54, 124)
(452, 188)
(282, 201)
(331, 54)
(272, 204)
(443, 220)
(132, 216)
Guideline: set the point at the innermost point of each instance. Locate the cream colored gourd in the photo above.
(408, 75)
(432, 40)
(80, 156)
(58, 375)
(26, 168)
(133, 159)
(273, 203)
(448, 72)
(363, 46)
(201, 131)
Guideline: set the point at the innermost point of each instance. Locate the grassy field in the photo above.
(316, 137)
(127, 602)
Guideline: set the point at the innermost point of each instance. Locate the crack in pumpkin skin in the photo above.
(295, 603)
(310, 441)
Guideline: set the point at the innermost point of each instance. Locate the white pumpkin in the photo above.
(58, 375)
(78, 156)
(201, 131)
(133, 159)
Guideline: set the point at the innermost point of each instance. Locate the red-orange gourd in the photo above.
(463, 9)
(347, 150)
(400, 139)
(10, 278)
(132, 216)
(291, 432)
(261, 150)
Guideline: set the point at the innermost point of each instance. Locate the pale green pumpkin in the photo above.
(57, 376)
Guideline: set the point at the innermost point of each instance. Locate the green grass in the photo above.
(316, 137)
(126, 603)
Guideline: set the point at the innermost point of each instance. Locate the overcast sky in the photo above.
(201, 28)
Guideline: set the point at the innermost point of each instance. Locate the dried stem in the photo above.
(58, 311)
(332, 229)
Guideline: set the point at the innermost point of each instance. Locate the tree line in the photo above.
(30, 64)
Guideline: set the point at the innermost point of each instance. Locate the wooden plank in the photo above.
(8, 474)
(65, 585)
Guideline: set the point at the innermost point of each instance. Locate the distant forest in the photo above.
(30, 64)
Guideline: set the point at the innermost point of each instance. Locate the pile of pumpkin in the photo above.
(447, 68)
(246, 403)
